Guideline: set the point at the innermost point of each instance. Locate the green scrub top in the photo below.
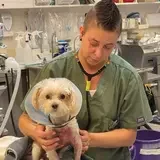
(119, 97)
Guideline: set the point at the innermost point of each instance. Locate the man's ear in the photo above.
(35, 97)
(81, 30)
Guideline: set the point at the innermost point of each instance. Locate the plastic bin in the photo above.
(147, 145)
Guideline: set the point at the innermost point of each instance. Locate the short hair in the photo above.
(106, 15)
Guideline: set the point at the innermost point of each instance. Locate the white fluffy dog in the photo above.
(55, 103)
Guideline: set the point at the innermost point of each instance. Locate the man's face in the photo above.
(97, 44)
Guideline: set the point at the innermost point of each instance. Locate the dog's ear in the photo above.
(71, 99)
(73, 102)
(35, 97)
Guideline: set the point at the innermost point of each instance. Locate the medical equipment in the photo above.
(5, 142)
(3, 57)
(1, 30)
(5, 131)
(19, 49)
(140, 58)
(42, 2)
(28, 58)
(2, 35)
(34, 35)
(45, 44)
(7, 20)
(34, 44)
(65, 2)
(10, 63)
(54, 44)
(147, 64)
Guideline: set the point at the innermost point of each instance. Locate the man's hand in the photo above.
(85, 140)
(48, 140)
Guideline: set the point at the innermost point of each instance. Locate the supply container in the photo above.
(19, 49)
(128, 1)
(62, 46)
(147, 145)
(42, 2)
(133, 152)
(63, 2)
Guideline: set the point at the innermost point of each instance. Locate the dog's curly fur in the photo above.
(60, 100)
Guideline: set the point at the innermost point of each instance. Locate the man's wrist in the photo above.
(91, 139)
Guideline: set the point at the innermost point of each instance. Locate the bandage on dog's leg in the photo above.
(36, 151)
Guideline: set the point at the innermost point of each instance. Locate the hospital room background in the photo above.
(33, 32)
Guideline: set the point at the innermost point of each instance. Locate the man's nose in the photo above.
(98, 52)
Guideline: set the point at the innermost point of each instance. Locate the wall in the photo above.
(20, 19)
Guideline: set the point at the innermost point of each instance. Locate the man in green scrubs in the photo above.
(115, 103)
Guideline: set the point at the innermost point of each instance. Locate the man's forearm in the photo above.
(26, 125)
(113, 139)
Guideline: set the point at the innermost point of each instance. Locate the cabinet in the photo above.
(16, 4)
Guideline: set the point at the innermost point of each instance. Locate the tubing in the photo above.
(16, 66)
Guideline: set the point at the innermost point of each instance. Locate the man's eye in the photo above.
(94, 44)
(108, 48)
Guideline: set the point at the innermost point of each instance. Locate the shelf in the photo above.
(65, 6)
(84, 5)
(8, 34)
(137, 3)
(91, 5)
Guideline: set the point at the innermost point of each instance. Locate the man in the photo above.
(114, 101)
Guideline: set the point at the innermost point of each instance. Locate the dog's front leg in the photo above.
(77, 144)
(52, 155)
(36, 151)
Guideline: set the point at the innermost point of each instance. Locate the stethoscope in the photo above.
(88, 85)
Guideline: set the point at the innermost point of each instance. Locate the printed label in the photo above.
(150, 151)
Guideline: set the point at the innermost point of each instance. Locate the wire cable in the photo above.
(9, 99)
(12, 119)
(11, 63)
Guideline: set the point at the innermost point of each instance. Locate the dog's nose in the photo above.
(55, 106)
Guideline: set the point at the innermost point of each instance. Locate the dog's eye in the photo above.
(48, 96)
(62, 96)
